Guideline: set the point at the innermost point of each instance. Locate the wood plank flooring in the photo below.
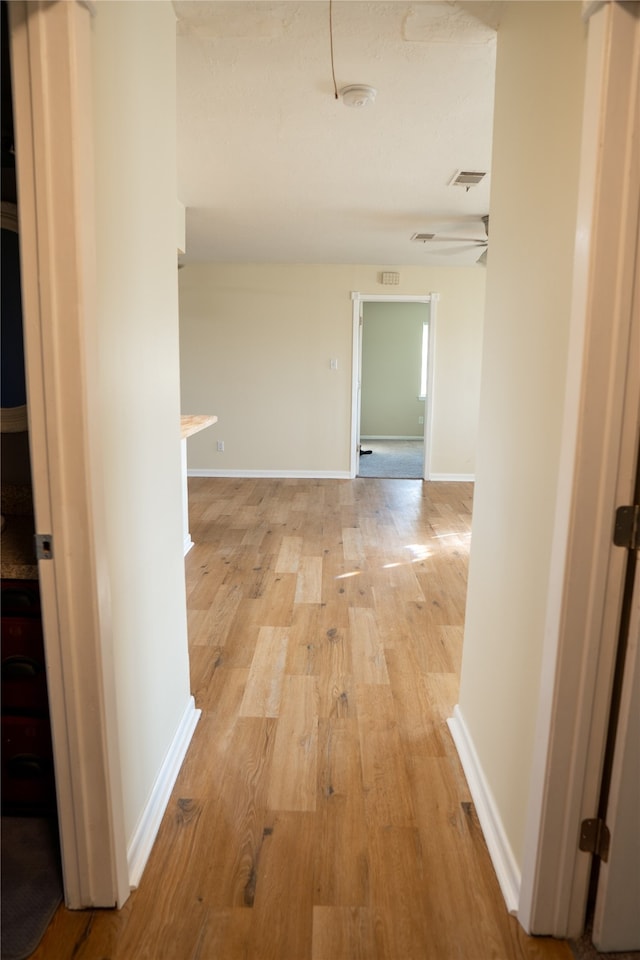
(321, 812)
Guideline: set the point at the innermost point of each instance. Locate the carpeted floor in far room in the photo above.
(396, 459)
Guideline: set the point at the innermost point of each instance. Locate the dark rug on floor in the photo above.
(583, 949)
(31, 883)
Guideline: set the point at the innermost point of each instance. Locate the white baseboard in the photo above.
(310, 475)
(453, 477)
(504, 862)
(188, 543)
(146, 831)
(273, 474)
(390, 436)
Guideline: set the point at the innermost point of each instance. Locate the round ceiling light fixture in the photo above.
(358, 95)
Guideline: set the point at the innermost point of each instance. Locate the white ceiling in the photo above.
(272, 168)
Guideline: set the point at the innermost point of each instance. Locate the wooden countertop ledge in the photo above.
(193, 422)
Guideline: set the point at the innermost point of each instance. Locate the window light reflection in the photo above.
(419, 550)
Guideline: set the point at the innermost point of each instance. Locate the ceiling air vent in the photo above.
(467, 178)
(423, 237)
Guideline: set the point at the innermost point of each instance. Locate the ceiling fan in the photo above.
(478, 242)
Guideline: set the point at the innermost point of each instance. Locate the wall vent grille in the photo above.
(467, 178)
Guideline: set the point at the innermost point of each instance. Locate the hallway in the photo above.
(321, 813)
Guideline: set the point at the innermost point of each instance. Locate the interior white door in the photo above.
(616, 922)
(51, 47)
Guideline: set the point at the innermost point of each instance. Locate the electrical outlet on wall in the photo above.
(421, 420)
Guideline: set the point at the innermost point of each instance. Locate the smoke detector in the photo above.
(358, 95)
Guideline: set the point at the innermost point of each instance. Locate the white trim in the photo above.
(453, 477)
(146, 831)
(187, 542)
(390, 436)
(502, 857)
(356, 381)
(390, 298)
(429, 400)
(90, 5)
(275, 474)
(589, 7)
(313, 475)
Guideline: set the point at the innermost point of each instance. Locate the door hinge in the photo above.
(626, 532)
(595, 838)
(44, 546)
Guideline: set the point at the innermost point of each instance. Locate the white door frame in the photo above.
(52, 85)
(52, 77)
(599, 448)
(616, 920)
(357, 300)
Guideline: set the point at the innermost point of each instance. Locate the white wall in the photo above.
(135, 147)
(256, 343)
(538, 109)
(391, 369)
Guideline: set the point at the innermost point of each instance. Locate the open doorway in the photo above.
(393, 379)
(395, 350)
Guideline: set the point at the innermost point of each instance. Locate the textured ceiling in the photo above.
(272, 168)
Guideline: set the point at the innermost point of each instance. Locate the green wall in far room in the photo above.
(391, 369)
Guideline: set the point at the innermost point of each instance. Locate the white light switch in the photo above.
(334, 363)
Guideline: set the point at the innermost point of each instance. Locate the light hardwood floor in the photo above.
(321, 813)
